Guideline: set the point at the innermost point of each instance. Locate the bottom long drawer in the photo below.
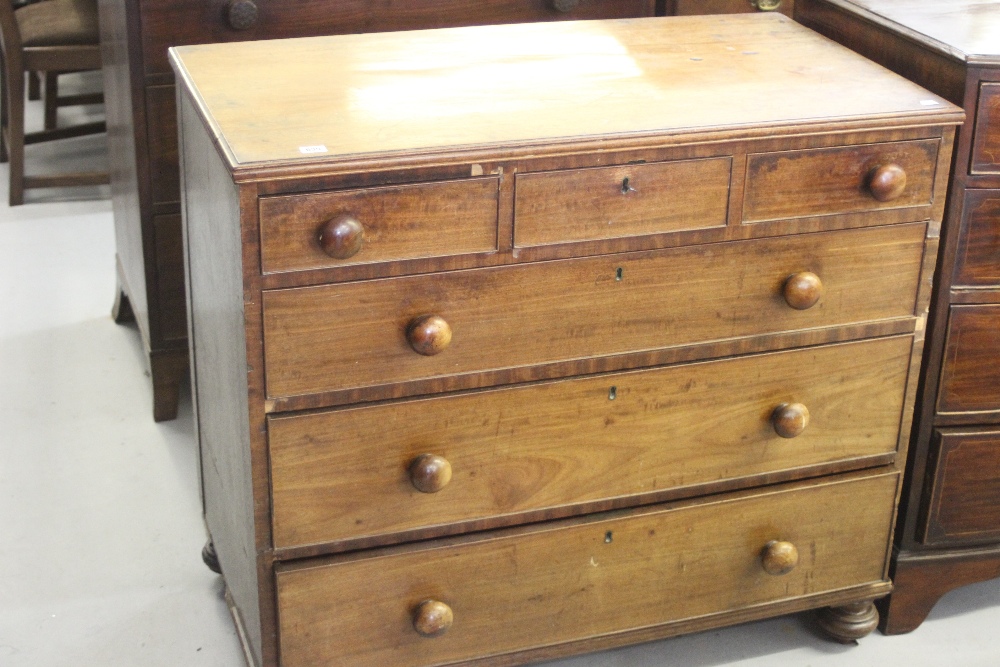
(572, 580)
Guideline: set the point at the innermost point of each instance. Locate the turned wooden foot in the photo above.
(210, 557)
(168, 370)
(121, 311)
(850, 622)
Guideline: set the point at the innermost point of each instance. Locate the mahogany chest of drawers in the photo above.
(950, 512)
(517, 341)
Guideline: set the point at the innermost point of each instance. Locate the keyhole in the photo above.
(612, 393)
(626, 188)
(608, 537)
(618, 273)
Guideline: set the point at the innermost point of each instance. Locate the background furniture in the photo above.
(518, 341)
(52, 36)
(949, 530)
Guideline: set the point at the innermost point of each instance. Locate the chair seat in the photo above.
(58, 22)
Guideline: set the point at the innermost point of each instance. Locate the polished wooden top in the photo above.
(965, 29)
(351, 95)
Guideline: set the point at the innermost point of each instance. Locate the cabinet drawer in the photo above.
(627, 200)
(964, 501)
(986, 141)
(161, 119)
(803, 183)
(971, 373)
(567, 581)
(695, 7)
(356, 472)
(977, 259)
(378, 224)
(336, 337)
(176, 22)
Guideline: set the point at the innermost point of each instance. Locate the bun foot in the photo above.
(209, 556)
(848, 623)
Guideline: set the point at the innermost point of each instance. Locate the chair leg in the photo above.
(3, 110)
(51, 99)
(34, 87)
(15, 134)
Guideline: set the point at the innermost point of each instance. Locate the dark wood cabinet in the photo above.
(948, 533)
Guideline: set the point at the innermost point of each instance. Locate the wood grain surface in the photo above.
(970, 375)
(558, 583)
(347, 473)
(986, 143)
(977, 255)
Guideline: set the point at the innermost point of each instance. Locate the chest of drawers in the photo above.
(950, 513)
(519, 341)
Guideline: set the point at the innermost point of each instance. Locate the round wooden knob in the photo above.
(241, 14)
(565, 5)
(341, 237)
(790, 419)
(432, 618)
(887, 182)
(779, 557)
(428, 335)
(802, 290)
(766, 5)
(430, 473)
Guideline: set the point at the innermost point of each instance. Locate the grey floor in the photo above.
(100, 524)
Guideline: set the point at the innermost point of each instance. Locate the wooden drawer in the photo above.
(171, 311)
(356, 472)
(694, 7)
(161, 119)
(986, 141)
(176, 22)
(793, 184)
(971, 373)
(339, 337)
(977, 258)
(560, 582)
(626, 200)
(964, 501)
(378, 224)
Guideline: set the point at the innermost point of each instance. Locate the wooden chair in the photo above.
(51, 37)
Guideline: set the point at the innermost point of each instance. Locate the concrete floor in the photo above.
(100, 519)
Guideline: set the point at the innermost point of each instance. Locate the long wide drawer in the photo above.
(381, 332)
(368, 471)
(558, 583)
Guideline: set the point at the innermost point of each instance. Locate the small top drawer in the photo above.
(167, 23)
(383, 224)
(986, 142)
(849, 179)
(626, 200)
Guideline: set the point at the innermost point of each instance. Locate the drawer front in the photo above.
(179, 22)
(574, 580)
(161, 117)
(964, 502)
(986, 141)
(628, 200)
(794, 184)
(337, 337)
(971, 373)
(694, 7)
(170, 293)
(378, 224)
(977, 261)
(413, 464)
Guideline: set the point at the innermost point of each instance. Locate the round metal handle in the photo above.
(432, 618)
(241, 14)
(429, 473)
(428, 335)
(790, 419)
(802, 290)
(342, 236)
(766, 5)
(887, 182)
(779, 557)
(565, 5)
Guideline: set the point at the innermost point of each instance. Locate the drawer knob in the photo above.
(765, 5)
(802, 290)
(430, 473)
(565, 5)
(887, 182)
(429, 335)
(241, 14)
(790, 419)
(779, 557)
(341, 237)
(432, 618)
